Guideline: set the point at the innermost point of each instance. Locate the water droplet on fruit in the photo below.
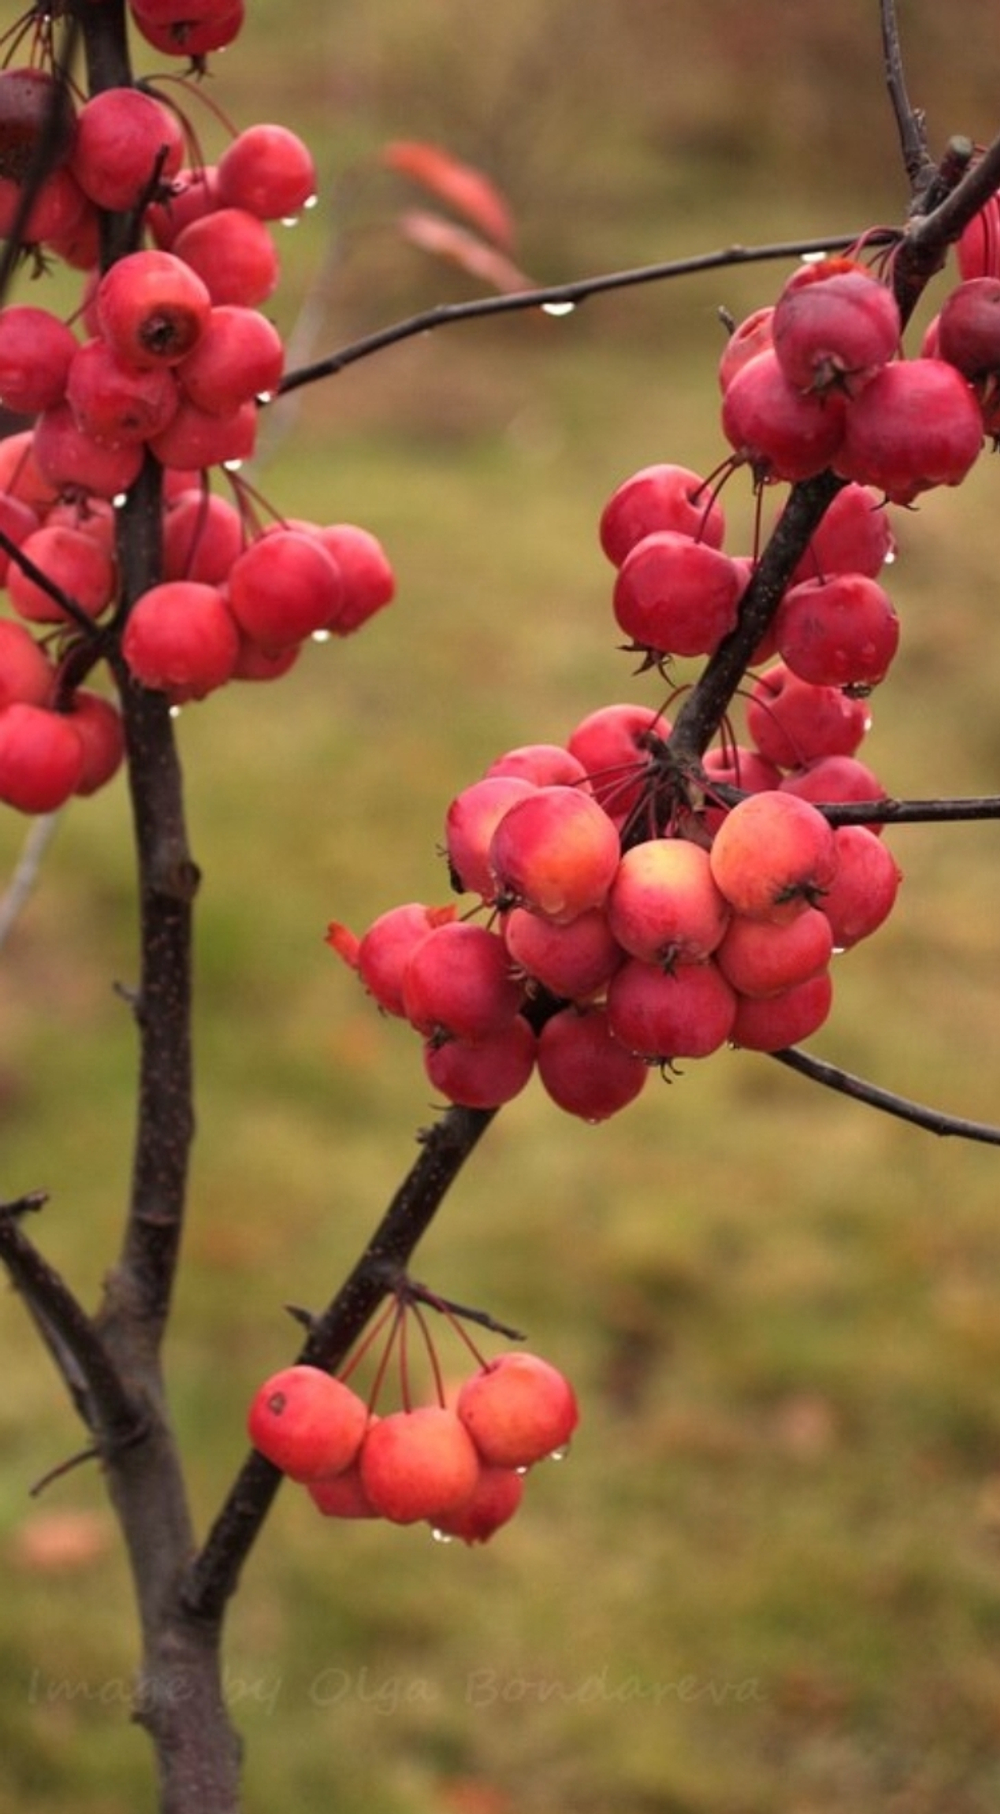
(119, 499)
(558, 308)
(441, 1536)
(321, 636)
(289, 220)
(263, 397)
(890, 558)
(231, 465)
(560, 1454)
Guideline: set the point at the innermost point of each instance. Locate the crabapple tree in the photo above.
(673, 879)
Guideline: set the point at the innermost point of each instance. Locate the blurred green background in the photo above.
(768, 1577)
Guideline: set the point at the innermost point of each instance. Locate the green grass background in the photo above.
(768, 1576)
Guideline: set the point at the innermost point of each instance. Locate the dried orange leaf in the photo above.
(461, 186)
(432, 233)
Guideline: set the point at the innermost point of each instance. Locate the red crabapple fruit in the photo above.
(283, 587)
(555, 852)
(381, 955)
(573, 962)
(543, 764)
(751, 336)
(834, 327)
(613, 744)
(369, 583)
(341, 1495)
(152, 308)
(762, 957)
(968, 327)
(116, 403)
(838, 632)
(234, 254)
(915, 426)
(26, 673)
(268, 171)
(75, 563)
(306, 1422)
(181, 639)
(783, 433)
(98, 724)
(792, 722)
(684, 1012)
(125, 144)
(659, 497)
(34, 104)
(676, 596)
(41, 758)
(457, 980)
(664, 904)
(517, 1409)
(72, 461)
(769, 1023)
(864, 889)
(238, 356)
(854, 536)
(418, 1464)
(494, 1500)
(584, 1068)
(188, 28)
(772, 853)
(470, 822)
(35, 353)
(482, 1073)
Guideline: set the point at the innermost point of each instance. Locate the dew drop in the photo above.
(441, 1536)
(890, 558)
(321, 636)
(289, 220)
(232, 465)
(263, 397)
(119, 500)
(558, 308)
(560, 1454)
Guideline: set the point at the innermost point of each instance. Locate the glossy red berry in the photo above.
(181, 639)
(306, 1422)
(517, 1409)
(267, 170)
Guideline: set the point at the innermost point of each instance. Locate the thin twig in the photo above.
(95, 1383)
(910, 120)
(934, 1120)
(569, 295)
(444, 1148)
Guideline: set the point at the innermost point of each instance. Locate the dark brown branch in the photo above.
(95, 1383)
(567, 296)
(708, 701)
(140, 1288)
(941, 811)
(213, 1575)
(934, 1120)
(909, 119)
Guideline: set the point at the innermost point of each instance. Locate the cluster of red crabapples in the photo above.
(458, 1463)
(168, 360)
(626, 915)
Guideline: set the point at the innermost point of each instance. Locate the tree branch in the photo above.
(934, 1120)
(95, 1383)
(214, 1573)
(566, 296)
(909, 120)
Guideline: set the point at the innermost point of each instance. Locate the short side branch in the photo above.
(95, 1383)
(445, 1147)
(934, 1120)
